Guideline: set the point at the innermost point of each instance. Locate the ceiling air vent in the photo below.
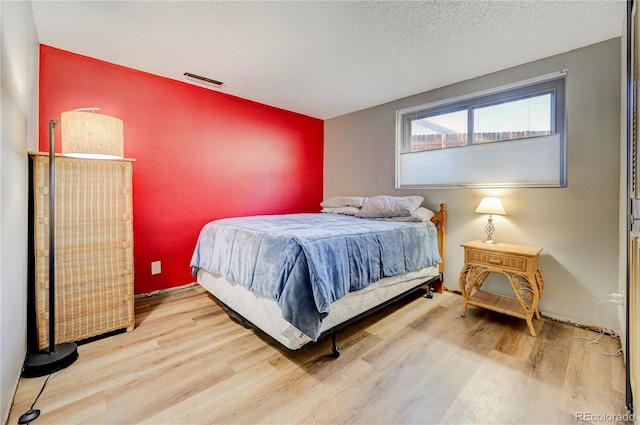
(203, 80)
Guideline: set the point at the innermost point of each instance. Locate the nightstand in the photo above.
(518, 263)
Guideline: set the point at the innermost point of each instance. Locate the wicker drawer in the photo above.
(496, 259)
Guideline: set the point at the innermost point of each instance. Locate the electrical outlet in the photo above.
(156, 267)
(617, 297)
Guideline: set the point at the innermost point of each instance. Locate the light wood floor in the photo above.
(417, 362)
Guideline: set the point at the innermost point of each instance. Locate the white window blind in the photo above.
(531, 162)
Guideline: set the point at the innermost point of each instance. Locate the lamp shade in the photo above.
(490, 205)
(91, 135)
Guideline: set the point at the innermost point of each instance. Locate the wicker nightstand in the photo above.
(518, 263)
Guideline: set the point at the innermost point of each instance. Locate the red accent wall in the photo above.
(200, 154)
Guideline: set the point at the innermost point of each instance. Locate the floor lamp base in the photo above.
(44, 363)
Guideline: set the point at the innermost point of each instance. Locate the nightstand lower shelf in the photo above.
(496, 302)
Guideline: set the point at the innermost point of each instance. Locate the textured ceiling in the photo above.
(321, 58)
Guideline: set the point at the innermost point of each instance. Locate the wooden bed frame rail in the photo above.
(440, 219)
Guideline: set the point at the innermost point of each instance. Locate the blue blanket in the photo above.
(306, 261)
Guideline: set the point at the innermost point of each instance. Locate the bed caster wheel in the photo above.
(428, 295)
(335, 348)
(336, 351)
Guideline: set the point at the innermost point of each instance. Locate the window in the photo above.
(505, 137)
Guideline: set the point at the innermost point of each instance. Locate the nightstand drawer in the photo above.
(494, 259)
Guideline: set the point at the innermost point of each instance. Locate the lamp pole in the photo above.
(52, 235)
(62, 355)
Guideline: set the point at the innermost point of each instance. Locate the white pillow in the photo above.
(425, 214)
(343, 201)
(390, 206)
(342, 210)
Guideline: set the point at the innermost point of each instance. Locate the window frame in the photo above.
(554, 83)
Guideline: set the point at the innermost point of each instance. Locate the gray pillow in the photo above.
(390, 206)
(343, 201)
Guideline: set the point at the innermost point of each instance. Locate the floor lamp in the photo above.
(85, 134)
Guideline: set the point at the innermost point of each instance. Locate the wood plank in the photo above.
(415, 362)
(185, 378)
(311, 407)
(217, 401)
(584, 392)
(500, 391)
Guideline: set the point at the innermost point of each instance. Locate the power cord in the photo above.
(32, 414)
(592, 346)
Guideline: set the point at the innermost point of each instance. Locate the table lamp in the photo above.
(490, 205)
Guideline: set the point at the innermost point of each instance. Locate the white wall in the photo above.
(18, 132)
(576, 226)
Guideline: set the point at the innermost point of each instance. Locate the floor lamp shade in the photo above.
(90, 135)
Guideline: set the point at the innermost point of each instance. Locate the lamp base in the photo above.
(28, 416)
(490, 241)
(44, 363)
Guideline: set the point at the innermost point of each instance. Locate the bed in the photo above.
(300, 277)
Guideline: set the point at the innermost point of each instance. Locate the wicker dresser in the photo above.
(94, 247)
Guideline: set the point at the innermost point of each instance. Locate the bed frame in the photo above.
(434, 284)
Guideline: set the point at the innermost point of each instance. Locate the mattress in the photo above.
(307, 261)
(264, 312)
